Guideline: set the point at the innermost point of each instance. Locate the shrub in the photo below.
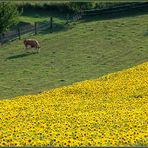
(8, 16)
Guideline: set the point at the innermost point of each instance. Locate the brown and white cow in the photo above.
(32, 43)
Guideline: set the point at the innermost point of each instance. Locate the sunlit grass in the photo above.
(80, 51)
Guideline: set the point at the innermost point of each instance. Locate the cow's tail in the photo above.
(39, 46)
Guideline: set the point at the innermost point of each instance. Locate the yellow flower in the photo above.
(108, 111)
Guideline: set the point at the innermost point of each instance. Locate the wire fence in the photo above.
(115, 9)
(27, 28)
(18, 31)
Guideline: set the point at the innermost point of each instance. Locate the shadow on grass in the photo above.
(116, 15)
(56, 28)
(44, 13)
(19, 56)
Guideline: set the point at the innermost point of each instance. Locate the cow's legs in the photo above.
(25, 49)
(38, 50)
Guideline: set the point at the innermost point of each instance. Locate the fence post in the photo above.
(19, 32)
(1, 37)
(67, 18)
(35, 27)
(51, 24)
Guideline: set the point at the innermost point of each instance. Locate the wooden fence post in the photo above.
(67, 18)
(51, 24)
(35, 27)
(19, 32)
(2, 37)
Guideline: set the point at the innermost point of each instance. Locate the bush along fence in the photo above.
(115, 9)
(24, 28)
(74, 17)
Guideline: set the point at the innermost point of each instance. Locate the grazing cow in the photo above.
(32, 43)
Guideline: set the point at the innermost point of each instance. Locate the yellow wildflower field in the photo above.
(109, 111)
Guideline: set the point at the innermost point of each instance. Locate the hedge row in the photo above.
(67, 6)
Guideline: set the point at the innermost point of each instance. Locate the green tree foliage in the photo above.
(8, 16)
(79, 6)
(103, 5)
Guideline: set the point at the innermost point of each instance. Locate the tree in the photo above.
(8, 16)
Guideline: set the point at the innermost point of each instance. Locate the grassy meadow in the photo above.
(80, 51)
(107, 111)
(87, 87)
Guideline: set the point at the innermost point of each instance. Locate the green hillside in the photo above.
(85, 50)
